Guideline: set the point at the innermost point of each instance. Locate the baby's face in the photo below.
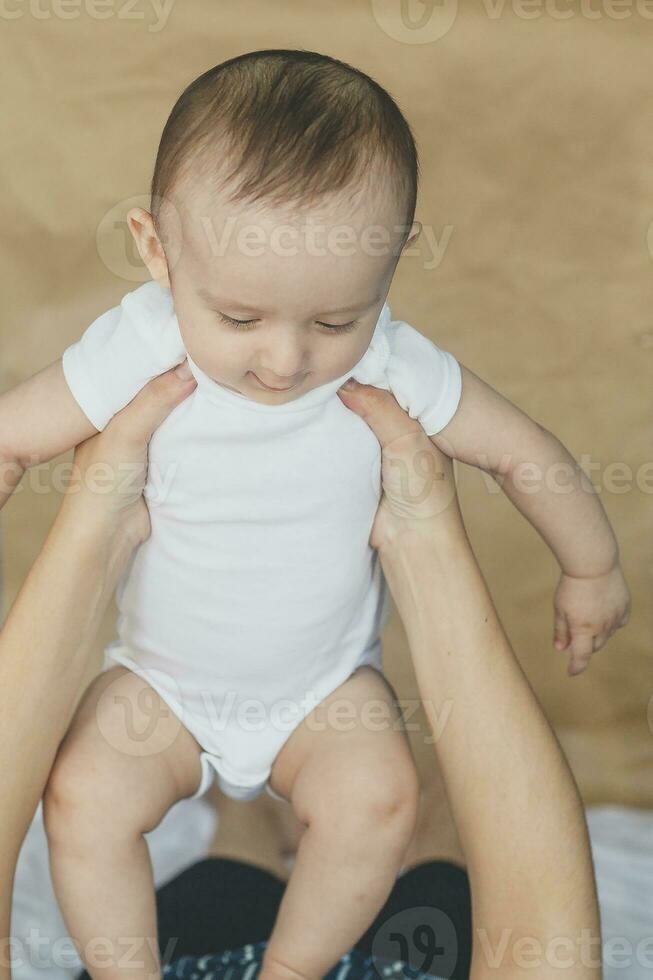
(310, 294)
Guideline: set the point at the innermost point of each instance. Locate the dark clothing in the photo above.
(224, 911)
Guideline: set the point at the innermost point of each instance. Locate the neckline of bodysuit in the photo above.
(316, 396)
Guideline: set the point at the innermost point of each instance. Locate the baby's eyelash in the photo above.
(246, 324)
(339, 327)
(235, 323)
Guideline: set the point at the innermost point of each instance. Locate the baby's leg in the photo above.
(351, 779)
(123, 763)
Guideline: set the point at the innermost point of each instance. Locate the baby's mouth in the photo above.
(279, 389)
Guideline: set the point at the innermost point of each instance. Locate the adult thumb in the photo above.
(147, 410)
(381, 410)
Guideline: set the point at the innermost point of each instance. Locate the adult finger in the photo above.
(381, 410)
(418, 478)
(137, 421)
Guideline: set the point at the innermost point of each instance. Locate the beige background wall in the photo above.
(536, 138)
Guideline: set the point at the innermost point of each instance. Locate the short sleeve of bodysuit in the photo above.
(139, 339)
(122, 350)
(425, 380)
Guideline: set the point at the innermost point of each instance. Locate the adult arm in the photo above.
(517, 808)
(469, 421)
(47, 637)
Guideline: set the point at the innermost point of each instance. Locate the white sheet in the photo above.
(622, 846)
(41, 947)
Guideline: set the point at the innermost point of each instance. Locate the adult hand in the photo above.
(105, 488)
(418, 485)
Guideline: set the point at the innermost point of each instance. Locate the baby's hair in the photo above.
(293, 125)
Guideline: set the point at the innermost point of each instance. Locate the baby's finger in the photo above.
(560, 631)
(581, 649)
(601, 639)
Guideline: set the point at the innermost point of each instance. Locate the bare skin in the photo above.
(516, 805)
(303, 349)
(368, 844)
(531, 823)
(47, 638)
(346, 865)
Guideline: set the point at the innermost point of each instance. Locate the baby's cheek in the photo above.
(212, 352)
(340, 359)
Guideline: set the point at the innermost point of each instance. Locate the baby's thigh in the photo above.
(125, 759)
(350, 754)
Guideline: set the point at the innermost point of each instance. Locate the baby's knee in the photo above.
(68, 796)
(79, 802)
(373, 799)
(390, 796)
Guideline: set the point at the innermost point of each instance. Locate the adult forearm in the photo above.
(44, 648)
(556, 496)
(516, 805)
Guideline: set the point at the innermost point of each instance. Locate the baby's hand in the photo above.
(587, 613)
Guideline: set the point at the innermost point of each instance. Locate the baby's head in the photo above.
(283, 193)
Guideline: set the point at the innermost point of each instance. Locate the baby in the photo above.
(283, 195)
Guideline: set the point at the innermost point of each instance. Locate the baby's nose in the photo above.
(283, 366)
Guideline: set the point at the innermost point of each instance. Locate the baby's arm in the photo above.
(470, 421)
(546, 484)
(39, 419)
(75, 397)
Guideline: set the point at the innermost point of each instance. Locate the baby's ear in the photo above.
(148, 244)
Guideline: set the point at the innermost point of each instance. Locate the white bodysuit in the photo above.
(257, 593)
